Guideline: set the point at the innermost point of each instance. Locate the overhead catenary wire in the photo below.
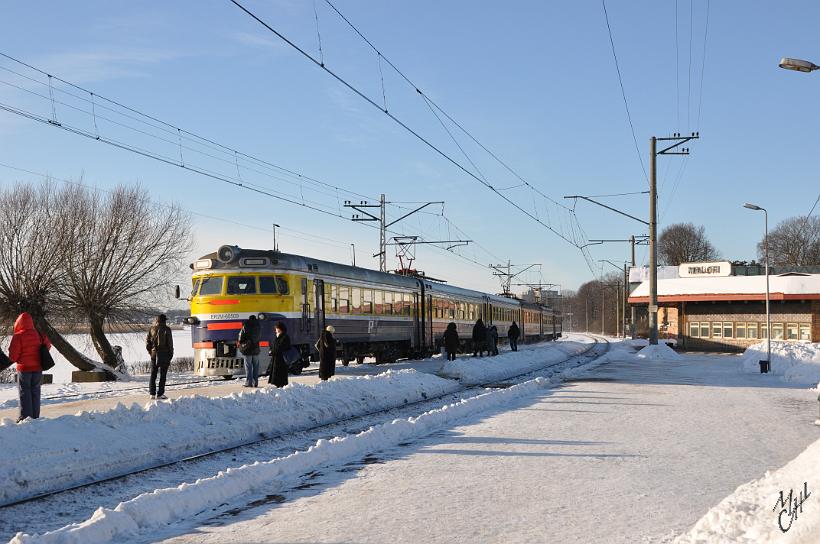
(426, 141)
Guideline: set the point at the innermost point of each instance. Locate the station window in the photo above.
(740, 330)
(764, 330)
(267, 285)
(791, 331)
(211, 286)
(777, 331)
(728, 330)
(694, 329)
(704, 329)
(717, 329)
(751, 330)
(805, 331)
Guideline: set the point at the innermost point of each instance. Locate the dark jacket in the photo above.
(160, 343)
(514, 332)
(5, 362)
(24, 348)
(278, 374)
(479, 332)
(249, 338)
(451, 338)
(327, 355)
(492, 336)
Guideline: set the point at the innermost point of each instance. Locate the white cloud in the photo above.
(102, 64)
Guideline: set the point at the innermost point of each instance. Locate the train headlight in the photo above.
(262, 316)
(192, 320)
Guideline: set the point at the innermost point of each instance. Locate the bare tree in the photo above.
(34, 239)
(794, 242)
(685, 243)
(128, 250)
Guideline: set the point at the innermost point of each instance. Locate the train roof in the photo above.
(266, 260)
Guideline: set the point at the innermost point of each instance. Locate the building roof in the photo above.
(784, 287)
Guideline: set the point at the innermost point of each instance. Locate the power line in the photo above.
(623, 93)
(398, 121)
(703, 63)
(689, 81)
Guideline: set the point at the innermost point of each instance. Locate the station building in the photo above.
(707, 306)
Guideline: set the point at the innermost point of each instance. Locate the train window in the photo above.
(379, 301)
(367, 305)
(267, 285)
(241, 285)
(406, 304)
(195, 288)
(355, 300)
(211, 286)
(282, 285)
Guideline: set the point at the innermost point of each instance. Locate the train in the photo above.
(386, 316)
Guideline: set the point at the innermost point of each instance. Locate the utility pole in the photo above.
(653, 220)
(383, 224)
(603, 308)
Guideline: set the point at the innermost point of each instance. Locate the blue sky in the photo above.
(534, 81)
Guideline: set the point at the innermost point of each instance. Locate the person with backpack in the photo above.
(249, 348)
(327, 353)
(451, 341)
(479, 338)
(160, 345)
(25, 351)
(278, 374)
(513, 333)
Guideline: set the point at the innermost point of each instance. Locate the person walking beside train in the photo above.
(278, 374)
(327, 353)
(25, 351)
(249, 348)
(513, 333)
(492, 340)
(451, 341)
(479, 338)
(160, 345)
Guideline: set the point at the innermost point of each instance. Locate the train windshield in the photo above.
(211, 286)
(241, 285)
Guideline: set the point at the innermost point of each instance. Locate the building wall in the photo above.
(741, 317)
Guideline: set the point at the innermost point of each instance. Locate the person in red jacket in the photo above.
(25, 351)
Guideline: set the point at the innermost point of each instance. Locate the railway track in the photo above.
(307, 437)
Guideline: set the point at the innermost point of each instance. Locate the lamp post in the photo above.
(766, 253)
(798, 65)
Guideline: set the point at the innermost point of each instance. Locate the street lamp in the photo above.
(766, 252)
(798, 65)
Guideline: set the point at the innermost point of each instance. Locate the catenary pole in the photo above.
(653, 243)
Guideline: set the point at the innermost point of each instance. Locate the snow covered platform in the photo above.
(637, 450)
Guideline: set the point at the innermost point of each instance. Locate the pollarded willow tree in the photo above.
(793, 242)
(125, 252)
(685, 243)
(34, 241)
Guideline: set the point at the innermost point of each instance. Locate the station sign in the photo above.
(705, 270)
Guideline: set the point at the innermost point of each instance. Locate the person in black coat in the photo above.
(278, 374)
(327, 353)
(5, 362)
(492, 340)
(249, 348)
(479, 338)
(451, 341)
(513, 333)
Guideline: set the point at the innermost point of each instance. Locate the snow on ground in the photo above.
(794, 361)
(659, 352)
(94, 445)
(634, 452)
(152, 510)
(478, 370)
(754, 512)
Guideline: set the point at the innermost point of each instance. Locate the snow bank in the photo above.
(482, 370)
(150, 511)
(752, 513)
(93, 445)
(795, 361)
(659, 352)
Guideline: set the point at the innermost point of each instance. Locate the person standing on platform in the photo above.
(327, 353)
(513, 333)
(451, 341)
(479, 338)
(160, 344)
(278, 374)
(249, 348)
(25, 351)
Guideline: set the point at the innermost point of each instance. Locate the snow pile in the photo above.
(752, 513)
(658, 352)
(795, 361)
(151, 511)
(481, 370)
(94, 445)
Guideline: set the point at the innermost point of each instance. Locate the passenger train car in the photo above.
(386, 316)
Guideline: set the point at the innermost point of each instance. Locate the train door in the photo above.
(418, 336)
(428, 315)
(319, 312)
(305, 323)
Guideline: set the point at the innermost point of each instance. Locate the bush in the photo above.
(181, 364)
(8, 375)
